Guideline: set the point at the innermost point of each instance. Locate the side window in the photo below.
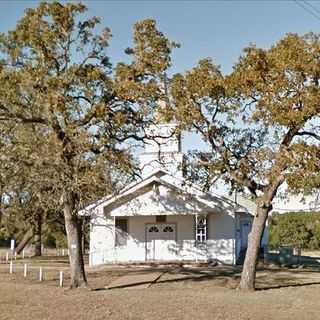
(201, 229)
(121, 232)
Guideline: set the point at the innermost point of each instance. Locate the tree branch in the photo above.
(310, 134)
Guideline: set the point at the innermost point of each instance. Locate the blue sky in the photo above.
(217, 29)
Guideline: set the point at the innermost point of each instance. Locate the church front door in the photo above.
(161, 241)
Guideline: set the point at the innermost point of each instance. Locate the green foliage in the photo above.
(68, 118)
(4, 237)
(260, 121)
(70, 115)
(295, 228)
(54, 231)
(75, 112)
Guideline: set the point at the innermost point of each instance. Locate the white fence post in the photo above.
(11, 267)
(40, 274)
(61, 279)
(25, 270)
(7, 257)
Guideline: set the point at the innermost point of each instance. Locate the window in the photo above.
(161, 219)
(201, 229)
(168, 229)
(121, 231)
(153, 229)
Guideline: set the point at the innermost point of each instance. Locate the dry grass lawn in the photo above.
(180, 293)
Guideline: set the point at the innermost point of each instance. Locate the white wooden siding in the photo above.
(220, 243)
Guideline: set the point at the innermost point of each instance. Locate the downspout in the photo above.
(235, 238)
(196, 238)
(114, 242)
(235, 228)
(90, 253)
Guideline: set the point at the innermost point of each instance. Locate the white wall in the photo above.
(220, 243)
(169, 161)
(163, 151)
(101, 236)
(296, 203)
(221, 237)
(159, 200)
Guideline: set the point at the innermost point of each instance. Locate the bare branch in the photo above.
(309, 134)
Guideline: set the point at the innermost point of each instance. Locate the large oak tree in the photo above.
(56, 76)
(260, 123)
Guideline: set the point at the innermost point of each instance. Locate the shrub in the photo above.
(295, 228)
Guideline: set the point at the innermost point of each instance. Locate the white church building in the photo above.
(164, 218)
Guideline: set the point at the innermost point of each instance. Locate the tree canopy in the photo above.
(260, 122)
(76, 114)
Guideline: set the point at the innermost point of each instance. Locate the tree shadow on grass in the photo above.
(226, 277)
(181, 274)
(273, 287)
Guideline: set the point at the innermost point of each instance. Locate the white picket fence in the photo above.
(27, 269)
(20, 263)
(6, 254)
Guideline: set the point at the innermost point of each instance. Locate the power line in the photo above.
(312, 6)
(309, 8)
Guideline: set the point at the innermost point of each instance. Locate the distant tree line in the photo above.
(53, 230)
(296, 229)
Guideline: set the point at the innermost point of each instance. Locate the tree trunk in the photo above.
(1, 203)
(248, 275)
(24, 241)
(73, 228)
(37, 233)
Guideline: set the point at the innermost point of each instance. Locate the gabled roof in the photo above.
(244, 204)
(161, 177)
(113, 197)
